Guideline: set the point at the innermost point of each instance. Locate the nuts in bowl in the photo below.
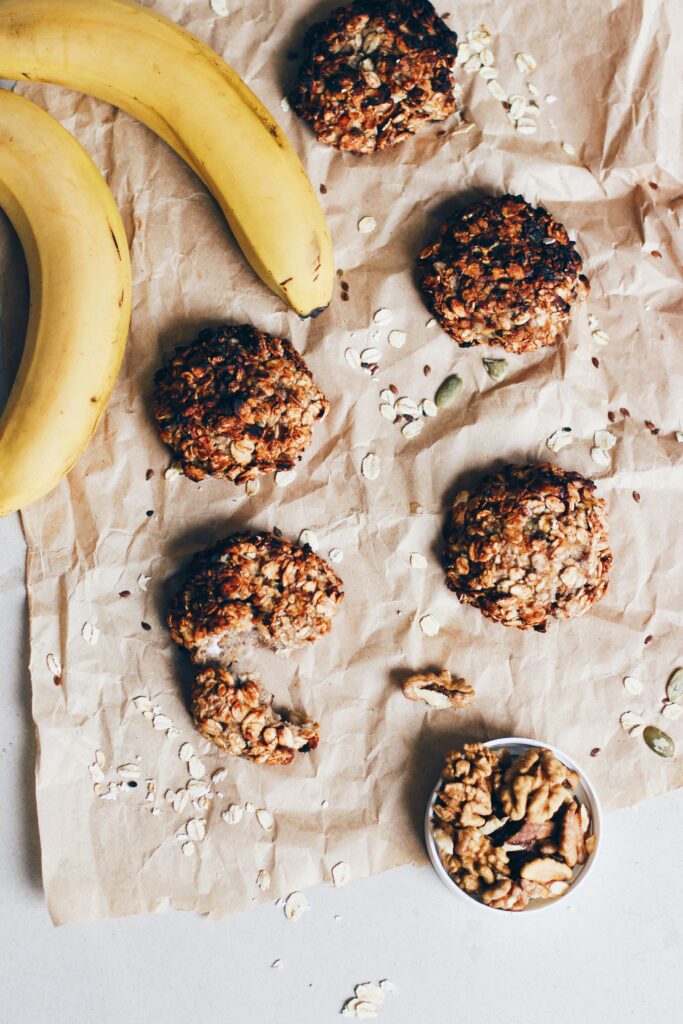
(512, 823)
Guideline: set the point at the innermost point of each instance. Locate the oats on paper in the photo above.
(383, 316)
(188, 849)
(366, 225)
(265, 819)
(388, 986)
(407, 407)
(600, 337)
(526, 64)
(559, 439)
(525, 126)
(632, 723)
(569, 149)
(252, 487)
(369, 356)
(249, 807)
(370, 991)
(263, 880)
(143, 581)
(601, 457)
(388, 412)
(196, 829)
(550, 98)
(417, 560)
(129, 771)
(428, 408)
(143, 703)
(161, 722)
(352, 357)
(96, 773)
(387, 396)
(284, 477)
(233, 814)
(308, 537)
(296, 904)
(633, 685)
(186, 752)
(180, 801)
(604, 439)
(412, 428)
(496, 90)
(341, 874)
(672, 711)
(397, 339)
(54, 665)
(370, 466)
(90, 633)
(674, 687)
(336, 555)
(429, 624)
(196, 768)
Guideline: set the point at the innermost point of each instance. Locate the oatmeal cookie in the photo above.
(253, 586)
(374, 72)
(502, 272)
(236, 714)
(529, 544)
(236, 403)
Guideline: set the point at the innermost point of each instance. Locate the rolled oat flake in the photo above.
(659, 742)
(447, 392)
(674, 687)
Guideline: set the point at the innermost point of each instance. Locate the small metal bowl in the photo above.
(585, 793)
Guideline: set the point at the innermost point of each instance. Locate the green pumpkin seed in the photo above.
(660, 742)
(447, 391)
(497, 369)
(674, 688)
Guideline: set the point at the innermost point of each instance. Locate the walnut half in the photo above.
(438, 690)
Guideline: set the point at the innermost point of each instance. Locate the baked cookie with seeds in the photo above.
(374, 72)
(236, 403)
(527, 545)
(237, 715)
(253, 587)
(502, 272)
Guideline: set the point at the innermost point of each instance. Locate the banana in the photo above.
(157, 71)
(80, 288)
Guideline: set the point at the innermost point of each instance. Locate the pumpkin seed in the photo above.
(674, 688)
(659, 742)
(496, 368)
(447, 392)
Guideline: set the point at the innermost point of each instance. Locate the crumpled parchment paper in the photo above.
(360, 797)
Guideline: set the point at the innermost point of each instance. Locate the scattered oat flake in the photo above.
(559, 439)
(397, 339)
(263, 880)
(369, 356)
(407, 407)
(196, 829)
(284, 104)
(633, 685)
(196, 767)
(672, 711)
(496, 90)
(388, 986)
(186, 752)
(174, 470)
(600, 456)
(296, 904)
(161, 722)
(180, 801)
(143, 581)
(604, 439)
(336, 555)
(388, 412)
(233, 814)
(364, 1009)
(90, 633)
(54, 665)
(526, 64)
(370, 991)
(249, 807)
(632, 723)
(370, 466)
(284, 477)
(265, 819)
(412, 429)
(383, 316)
(550, 98)
(96, 773)
(142, 703)
(341, 872)
(188, 849)
(429, 624)
(352, 357)
(172, 732)
(277, 965)
(219, 6)
(428, 407)
(387, 396)
(366, 225)
(129, 771)
(417, 560)
(569, 149)
(252, 487)
(308, 537)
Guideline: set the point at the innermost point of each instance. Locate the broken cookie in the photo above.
(438, 690)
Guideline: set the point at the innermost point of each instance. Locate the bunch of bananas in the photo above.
(71, 231)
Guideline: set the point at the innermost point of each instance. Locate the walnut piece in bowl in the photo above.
(253, 587)
(527, 545)
(512, 824)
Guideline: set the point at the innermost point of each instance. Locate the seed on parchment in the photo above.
(366, 225)
(370, 466)
(397, 339)
(388, 412)
(90, 633)
(417, 560)
(188, 849)
(352, 357)
(383, 316)
(174, 470)
(429, 624)
(265, 819)
(161, 722)
(428, 408)
(447, 392)
(341, 874)
(233, 814)
(604, 439)
(143, 581)
(284, 477)
(412, 428)
(559, 439)
(336, 555)
(660, 742)
(632, 723)
(674, 687)
(196, 829)
(296, 904)
(180, 801)
(309, 538)
(54, 665)
(496, 368)
(633, 685)
(526, 64)
(672, 711)
(569, 149)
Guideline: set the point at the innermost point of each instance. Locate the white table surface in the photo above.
(611, 953)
